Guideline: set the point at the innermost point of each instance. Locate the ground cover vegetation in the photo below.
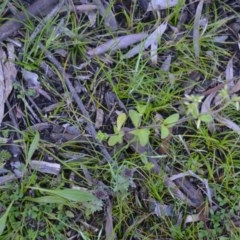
(119, 119)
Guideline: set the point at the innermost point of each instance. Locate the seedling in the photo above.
(193, 102)
(168, 123)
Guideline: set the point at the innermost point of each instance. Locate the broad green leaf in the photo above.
(113, 140)
(135, 118)
(121, 119)
(141, 108)
(33, 147)
(164, 131)
(142, 135)
(206, 118)
(3, 219)
(75, 195)
(171, 120)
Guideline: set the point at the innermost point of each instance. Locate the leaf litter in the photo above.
(66, 94)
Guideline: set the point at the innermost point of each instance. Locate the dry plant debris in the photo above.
(119, 119)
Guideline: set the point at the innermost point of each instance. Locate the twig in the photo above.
(90, 127)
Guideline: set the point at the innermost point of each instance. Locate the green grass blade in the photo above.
(3, 219)
(75, 195)
(33, 147)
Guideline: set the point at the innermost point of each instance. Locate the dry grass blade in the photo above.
(196, 34)
(118, 43)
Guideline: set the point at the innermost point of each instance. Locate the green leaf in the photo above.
(33, 147)
(75, 195)
(113, 140)
(3, 219)
(101, 136)
(206, 118)
(141, 108)
(121, 119)
(171, 120)
(142, 135)
(135, 118)
(164, 131)
(48, 199)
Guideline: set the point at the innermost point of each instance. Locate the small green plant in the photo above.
(168, 123)
(141, 133)
(192, 102)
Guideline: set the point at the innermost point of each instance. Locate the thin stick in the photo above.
(90, 128)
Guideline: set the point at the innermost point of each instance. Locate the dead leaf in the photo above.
(196, 34)
(10, 71)
(229, 74)
(162, 210)
(99, 118)
(235, 88)
(85, 8)
(155, 5)
(191, 218)
(30, 78)
(206, 105)
(152, 39)
(109, 223)
(228, 123)
(2, 85)
(119, 43)
(92, 17)
(166, 64)
(106, 12)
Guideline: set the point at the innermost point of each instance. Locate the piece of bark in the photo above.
(39, 8)
(45, 167)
